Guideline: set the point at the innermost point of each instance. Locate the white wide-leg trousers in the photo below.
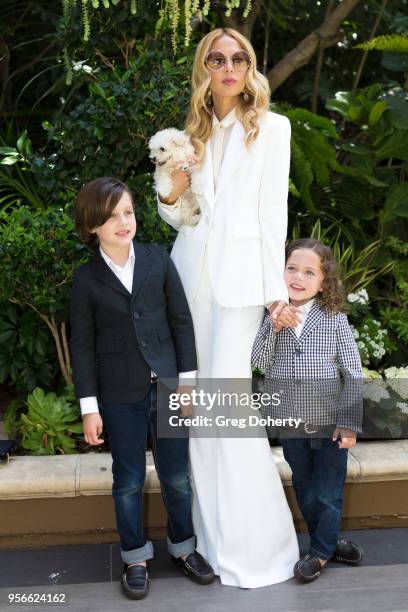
(242, 520)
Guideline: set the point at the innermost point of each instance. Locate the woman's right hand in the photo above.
(181, 181)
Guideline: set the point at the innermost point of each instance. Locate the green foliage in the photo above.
(395, 312)
(107, 133)
(356, 267)
(394, 43)
(27, 353)
(313, 154)
(17, 179)
(172, 13)
(38, 254)
(49, 423)
(11, 417)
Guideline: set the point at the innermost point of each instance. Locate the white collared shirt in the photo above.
(219, 139)
(306, 308)
(125, 275)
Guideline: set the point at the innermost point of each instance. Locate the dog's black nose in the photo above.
(153, 159)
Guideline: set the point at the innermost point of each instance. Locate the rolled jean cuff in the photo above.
(181, 548)
(138, 554)
(322, 556)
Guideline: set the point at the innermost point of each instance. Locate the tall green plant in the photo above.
(38, 254)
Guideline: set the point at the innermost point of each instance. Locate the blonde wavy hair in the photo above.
(199, 119)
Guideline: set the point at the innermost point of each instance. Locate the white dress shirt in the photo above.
(305, 311)
(125, 275)
(219, 138)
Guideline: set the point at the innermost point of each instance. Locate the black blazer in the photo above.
(117, 338)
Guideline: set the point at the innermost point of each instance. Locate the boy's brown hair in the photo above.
(94, 205)
(332, 296)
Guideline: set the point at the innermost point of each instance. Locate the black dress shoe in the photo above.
(196, 568)
(135, 581)
(308, 568)
(347, 552)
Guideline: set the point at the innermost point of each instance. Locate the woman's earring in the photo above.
(245, 96)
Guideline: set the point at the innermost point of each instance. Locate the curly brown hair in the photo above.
(332, 296)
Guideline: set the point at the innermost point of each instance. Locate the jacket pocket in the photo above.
(247, 229)
(109, 346)
(164, 332)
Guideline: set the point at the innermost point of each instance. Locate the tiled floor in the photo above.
(91, 564)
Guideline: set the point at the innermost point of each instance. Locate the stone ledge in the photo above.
(90, 474)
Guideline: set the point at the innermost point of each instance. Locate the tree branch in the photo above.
(319, 65)
(364, 57)
(326, 35)
(237, 21)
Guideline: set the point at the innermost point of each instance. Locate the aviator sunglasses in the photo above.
(216, 60)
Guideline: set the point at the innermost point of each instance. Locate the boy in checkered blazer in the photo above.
(317, 368)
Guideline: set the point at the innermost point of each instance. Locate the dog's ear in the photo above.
(179, 141)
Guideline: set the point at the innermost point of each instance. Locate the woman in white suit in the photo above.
(231, 265)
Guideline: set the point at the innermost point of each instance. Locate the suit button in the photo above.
(298, 351)
(136, 315)
(143, 344)
(298, 383)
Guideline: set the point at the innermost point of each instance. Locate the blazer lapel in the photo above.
(143, 263)
(313, 318)
(106, 275)
(204, 177)
(234, 158)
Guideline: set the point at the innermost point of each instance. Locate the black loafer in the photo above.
(196, 568)
(135, 581)
(308, 568)
(348, 552)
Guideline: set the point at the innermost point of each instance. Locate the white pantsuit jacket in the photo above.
(243, 223)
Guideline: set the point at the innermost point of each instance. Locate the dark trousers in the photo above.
(319, 470)
(127, 426)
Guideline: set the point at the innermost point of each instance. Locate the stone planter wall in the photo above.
(67, 499)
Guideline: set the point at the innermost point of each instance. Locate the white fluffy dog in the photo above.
(171, 149)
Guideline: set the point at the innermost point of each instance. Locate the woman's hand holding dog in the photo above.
(181, 181)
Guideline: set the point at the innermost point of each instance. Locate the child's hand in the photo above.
(283, 315)
(93, 428)
(186, 408)
(347, 437)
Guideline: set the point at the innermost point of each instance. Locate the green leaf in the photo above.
(97, 90)
(354, 112)
(24, 144)
(377, 111)
(356, 148)
(395, 145)
(9, 151)
(398, 111)
(396, 203)
(77, 428)
(9, 161)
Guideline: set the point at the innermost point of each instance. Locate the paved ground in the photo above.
(89, 576)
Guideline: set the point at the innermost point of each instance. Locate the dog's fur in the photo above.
(171, 149)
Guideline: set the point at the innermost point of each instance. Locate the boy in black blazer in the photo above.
(130, 323)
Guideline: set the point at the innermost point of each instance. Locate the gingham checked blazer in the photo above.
(319, 373)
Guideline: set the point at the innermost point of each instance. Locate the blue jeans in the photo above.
(319, 470)
(127, 426)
